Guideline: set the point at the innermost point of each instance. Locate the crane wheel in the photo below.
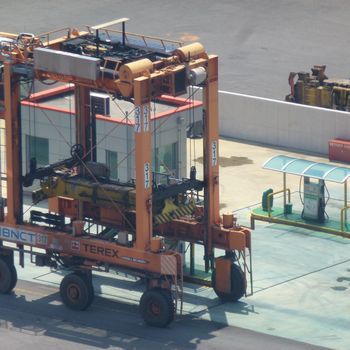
(8, 276)
(157, 307)
(238, 285)
(76, 291)
(88, 279)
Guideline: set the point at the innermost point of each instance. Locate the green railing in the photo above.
(270, 196)
(343, 217)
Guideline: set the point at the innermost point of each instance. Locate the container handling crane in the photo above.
(136, 216)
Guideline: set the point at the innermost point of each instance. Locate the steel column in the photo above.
(211, 155)
(143, 163)
(82, 128)
(83, 117)
(13, 148)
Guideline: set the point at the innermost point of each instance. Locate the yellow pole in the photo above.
(284, 192)
(345, 198)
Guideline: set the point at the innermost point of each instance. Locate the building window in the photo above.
(38, 148)
(165, 159)
(112, 163)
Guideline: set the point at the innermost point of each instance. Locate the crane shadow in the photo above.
(37, 310)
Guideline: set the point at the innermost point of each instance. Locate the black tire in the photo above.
(76, 291)
(8, 276)
(157, 307)
(167, 294)
(14, 277)
(90, 285)
(238, 285)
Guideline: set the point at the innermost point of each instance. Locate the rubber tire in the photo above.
(238, 285)
(14, 277)
(167, 294)
(88, 280)
(8, 276)
(83, 287)
(164, 301)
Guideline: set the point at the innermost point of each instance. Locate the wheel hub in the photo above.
(154, 309)
(73, 292)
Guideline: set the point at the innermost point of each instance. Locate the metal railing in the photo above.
(46, 35)
(146, 39)
(343, 217)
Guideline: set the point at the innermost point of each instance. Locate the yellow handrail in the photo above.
(270, 195)
(47, 34)
(342, 211)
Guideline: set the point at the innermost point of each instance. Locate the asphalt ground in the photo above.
(258, 41)
(33, 316)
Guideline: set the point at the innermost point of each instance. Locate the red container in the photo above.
(339, 150)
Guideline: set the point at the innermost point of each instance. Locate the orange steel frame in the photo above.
(211, 161)
(140, 256)
(13, 144)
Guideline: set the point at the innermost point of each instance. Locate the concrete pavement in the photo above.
(34, 317)
(301, 278)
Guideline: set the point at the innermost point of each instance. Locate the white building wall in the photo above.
(181, 124)
(280, 123)
(59, 129)
(243, 117)
(113, 137)
(173, 130)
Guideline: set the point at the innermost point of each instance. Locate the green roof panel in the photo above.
(297, 166)
(304, 167)
(338, 174)
(278, 162)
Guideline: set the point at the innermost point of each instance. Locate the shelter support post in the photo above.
(345, 198)
(284, 192)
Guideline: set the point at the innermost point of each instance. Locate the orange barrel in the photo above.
(129, 71)
(132, 70)
(194, 50)
(227, 220)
